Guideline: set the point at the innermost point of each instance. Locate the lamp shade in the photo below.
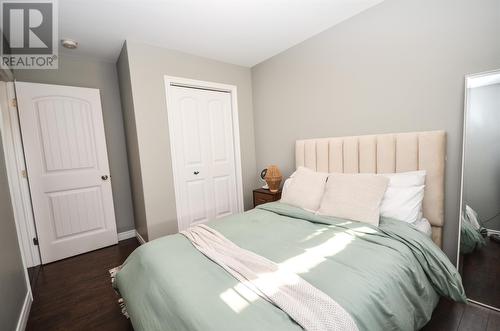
(273, 178)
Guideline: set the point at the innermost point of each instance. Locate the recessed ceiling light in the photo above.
(69, 43)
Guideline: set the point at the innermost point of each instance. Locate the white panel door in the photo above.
(203, 143)
(68, 171)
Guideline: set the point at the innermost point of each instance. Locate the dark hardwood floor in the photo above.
(454, 316)
(76, 294)
(481, 274)
(33, 276)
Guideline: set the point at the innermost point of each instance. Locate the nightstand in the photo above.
(261, 196)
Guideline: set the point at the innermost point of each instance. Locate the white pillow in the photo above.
(405, 179)
(472, 217)
(355, 197)
(423, 226)
(304, 189)
(404, 195)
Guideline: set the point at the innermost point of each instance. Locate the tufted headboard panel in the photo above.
(385, 153)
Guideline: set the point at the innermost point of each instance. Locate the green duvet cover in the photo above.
(387, 278)
(470, 238)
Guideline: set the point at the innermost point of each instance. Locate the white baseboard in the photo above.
(25, 312)
(140, 238)
(490, 232)
(126, 235)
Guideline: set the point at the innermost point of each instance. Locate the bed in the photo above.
(388, 277)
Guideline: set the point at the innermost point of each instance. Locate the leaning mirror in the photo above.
(479, 251)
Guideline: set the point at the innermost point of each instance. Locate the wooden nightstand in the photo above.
(261, 196)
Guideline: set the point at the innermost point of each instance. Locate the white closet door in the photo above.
(68, 171)
(203, 142)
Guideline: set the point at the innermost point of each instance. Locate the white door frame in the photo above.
(19, 191)
(171, 81)
(17, 177)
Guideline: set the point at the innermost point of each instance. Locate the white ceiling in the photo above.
(243, 32)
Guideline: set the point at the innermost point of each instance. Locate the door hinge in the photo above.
(35, 241)
(24, 174)
(13, 103)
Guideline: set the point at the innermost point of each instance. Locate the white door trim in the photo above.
(16, 173)
(12, 147)
(140, 239)
(232, 90)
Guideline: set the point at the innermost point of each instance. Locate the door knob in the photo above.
(196, 172)
(104, 177)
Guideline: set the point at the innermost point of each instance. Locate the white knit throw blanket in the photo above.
(308, 306)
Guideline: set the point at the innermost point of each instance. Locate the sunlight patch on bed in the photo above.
(313, 256)
(245, 292)
(363, 230)
(288, 271)
(240, 296)
(234, 300)
(270, 282)
(340, 224)
(314, 234)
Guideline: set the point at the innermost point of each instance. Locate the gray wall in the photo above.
(13, 288)
(87, 72)
(482, 154)
(125, 83)
(396, 67)
(147, 67)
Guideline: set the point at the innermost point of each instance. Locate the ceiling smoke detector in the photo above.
(69, 43)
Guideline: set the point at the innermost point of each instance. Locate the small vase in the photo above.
(273, 178)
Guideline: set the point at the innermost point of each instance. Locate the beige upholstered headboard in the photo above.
(385, 153)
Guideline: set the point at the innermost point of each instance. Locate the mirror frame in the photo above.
(467, 78)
